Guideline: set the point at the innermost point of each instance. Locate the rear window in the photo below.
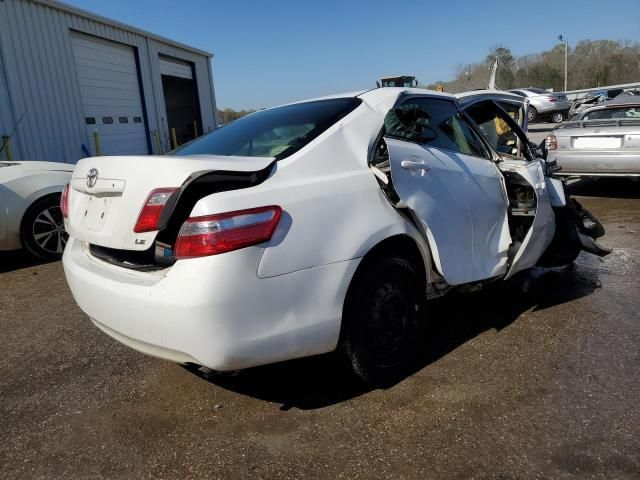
(537, 90)
(277, 132)
(613, 113)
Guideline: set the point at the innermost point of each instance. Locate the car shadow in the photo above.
(606, 187)
(18, 259)
(452, 320)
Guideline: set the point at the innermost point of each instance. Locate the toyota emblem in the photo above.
(92, 177)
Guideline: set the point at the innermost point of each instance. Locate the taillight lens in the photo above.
(552, 142)
(152, 209)
(64, 201)
(552, 99)
(214, 234)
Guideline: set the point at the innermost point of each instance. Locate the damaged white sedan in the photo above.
(316, 226)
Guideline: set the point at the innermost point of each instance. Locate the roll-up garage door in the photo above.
(175, 68)
(110, 92)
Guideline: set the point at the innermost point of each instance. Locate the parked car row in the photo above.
(317, 226)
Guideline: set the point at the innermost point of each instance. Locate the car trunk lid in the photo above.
(599, 135)
(108, 193)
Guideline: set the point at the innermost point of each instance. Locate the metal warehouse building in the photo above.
(68, 76)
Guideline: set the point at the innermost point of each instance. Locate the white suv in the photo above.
(311, 227)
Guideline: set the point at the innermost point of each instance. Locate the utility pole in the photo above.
(566, 55)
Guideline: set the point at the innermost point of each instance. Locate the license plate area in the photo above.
(597, 142)
(96, 210)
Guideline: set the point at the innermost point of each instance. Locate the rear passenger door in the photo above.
(442, 171)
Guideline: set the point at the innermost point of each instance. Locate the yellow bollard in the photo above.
(174, 142)
(96, 141)
(195, 129)
(7, 148)
(158, 143)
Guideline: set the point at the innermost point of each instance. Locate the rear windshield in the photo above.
(612, 113)
(277, 132)
(537, 90)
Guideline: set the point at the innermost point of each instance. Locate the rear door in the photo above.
(442, 171)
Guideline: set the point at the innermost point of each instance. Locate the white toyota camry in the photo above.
(30, 215)
(316, 226)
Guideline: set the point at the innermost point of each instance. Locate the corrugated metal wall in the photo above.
(38, 78)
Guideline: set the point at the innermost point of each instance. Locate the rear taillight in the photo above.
(214, 234)
(152, 209)
(552, 99)
(64, 201)
(552, 142)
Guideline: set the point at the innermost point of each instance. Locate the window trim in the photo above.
(459, 113)
(512, 123)
(352, 104)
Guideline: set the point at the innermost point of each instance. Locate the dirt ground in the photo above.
(544, 385)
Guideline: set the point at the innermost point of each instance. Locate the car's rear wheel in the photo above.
(557, 117)
(42, 229)
(532, 114)
(383, 320)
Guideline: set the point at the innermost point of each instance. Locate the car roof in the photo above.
(377, 96)
(466, 97)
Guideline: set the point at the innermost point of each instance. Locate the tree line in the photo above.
(229, 115)
(591, 63)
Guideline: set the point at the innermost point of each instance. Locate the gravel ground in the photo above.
(510, 386)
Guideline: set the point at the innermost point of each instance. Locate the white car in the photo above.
(30, 215)
(312, 227)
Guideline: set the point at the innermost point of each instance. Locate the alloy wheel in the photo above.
(48, 230)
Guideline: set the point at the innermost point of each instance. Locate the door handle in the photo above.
(414, 166)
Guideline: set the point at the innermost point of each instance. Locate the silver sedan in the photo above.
(602, 141)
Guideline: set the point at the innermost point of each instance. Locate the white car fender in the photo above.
(19, 194)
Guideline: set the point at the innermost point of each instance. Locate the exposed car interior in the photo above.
(413, 121)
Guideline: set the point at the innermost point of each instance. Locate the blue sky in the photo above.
(271, 52)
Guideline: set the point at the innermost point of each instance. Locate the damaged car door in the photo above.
(531, 218)
(442, 171)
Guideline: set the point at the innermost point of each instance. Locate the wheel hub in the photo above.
(48, 230)
(388, 324)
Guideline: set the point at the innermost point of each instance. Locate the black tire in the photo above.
(532, 114)
(383, 320)
(42, 229)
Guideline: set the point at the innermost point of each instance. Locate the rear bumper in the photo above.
(597, 163)
(213, 311)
